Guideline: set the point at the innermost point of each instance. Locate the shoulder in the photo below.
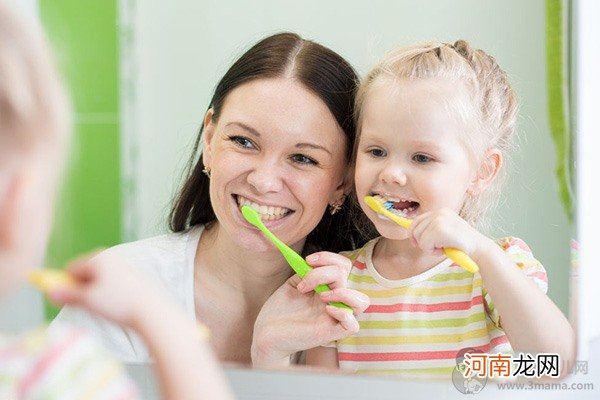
(360, 255)
(168, 254)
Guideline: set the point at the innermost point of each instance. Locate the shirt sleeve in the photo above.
(521, 254)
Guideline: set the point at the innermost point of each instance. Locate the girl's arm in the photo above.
(530, 319)
(532, 322)
(107, 286)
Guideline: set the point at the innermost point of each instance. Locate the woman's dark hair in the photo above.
(320, 70)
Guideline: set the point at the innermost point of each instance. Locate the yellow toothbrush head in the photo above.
(376, 206)
(46, 280)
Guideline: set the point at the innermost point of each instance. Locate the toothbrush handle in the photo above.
(325, 288)
(461, 258)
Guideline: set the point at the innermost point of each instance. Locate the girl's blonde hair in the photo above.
(491, 111)
(33, 105)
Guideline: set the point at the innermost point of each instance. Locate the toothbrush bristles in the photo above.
(388, 205)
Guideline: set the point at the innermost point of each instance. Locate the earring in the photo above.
(337, 206)
(206, 171)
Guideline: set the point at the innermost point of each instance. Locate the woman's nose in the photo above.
(266, 177)
(394, 174)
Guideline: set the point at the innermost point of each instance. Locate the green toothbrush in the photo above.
(294, 259)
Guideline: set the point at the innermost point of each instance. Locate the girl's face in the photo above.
(410, 150)
(277, 147)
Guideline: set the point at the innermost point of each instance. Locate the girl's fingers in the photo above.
(335, 276)
(347, 321)
(358, 301)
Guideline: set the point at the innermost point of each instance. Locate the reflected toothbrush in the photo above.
(295, 261)
(458, 256)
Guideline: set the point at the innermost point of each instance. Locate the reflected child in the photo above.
(434, 123)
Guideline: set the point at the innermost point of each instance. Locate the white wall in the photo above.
(176, 51)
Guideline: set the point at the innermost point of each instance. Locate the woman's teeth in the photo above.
(267, 213)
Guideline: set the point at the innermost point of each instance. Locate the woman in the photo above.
(278, 136)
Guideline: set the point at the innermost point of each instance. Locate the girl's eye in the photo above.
(302, 159)
(376, 152)
(242, 141)
(422, 158)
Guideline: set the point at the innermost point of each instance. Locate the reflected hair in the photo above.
(317, 68)
(490, 110)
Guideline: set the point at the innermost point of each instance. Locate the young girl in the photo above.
(434, 122)
(66, 363)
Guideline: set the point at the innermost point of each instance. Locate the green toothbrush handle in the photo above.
(325, 288)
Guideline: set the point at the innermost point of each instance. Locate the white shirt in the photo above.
(169, 259)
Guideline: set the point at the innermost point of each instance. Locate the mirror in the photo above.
(175, 54)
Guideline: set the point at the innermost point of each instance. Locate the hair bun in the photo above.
(463, 48)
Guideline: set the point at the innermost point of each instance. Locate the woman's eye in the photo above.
(377, 152)
(302, 159)
(242, 142)
(422, 158)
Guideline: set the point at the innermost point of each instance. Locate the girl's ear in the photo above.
(208, 132)
(488, 171)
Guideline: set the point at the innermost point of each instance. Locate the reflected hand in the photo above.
(295, 318)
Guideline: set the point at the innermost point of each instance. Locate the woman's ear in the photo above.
(208, 132)
(344, 187)
(488, 171)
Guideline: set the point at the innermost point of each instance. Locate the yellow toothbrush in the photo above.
(458, 256)
(46, 280)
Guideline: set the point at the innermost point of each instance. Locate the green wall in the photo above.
(88, 213)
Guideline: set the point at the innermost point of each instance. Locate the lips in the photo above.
(267, 212)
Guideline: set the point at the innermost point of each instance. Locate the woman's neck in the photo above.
(399, 259)
(254, 275)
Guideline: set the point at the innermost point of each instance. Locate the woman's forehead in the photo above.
(281, 108)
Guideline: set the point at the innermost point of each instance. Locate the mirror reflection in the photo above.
(209, 109)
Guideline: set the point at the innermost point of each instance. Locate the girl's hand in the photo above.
(434, 230)
(108, 286)
(295, 318)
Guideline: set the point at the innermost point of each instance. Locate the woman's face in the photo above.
(276, 147)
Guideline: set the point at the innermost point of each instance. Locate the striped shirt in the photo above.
(416, 326)
(60, 364)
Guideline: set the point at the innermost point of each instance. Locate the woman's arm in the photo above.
(325, 357)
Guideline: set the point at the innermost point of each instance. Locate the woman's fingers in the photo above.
(324, 258)
(347, 322)
(358, 301)
(334, 276)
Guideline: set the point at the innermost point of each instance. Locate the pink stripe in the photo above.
(46, 362)
(419, 307)
(404, 356)
(498, 341)
(360, 265)
(518, 243)
(539, 275)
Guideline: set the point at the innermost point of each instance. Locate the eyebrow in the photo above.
(254, 132)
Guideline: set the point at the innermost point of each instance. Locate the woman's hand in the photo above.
(296, 318)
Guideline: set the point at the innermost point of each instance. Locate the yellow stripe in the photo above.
(362, 279)
(417, 339)
(412, 291)
(423, 323)
(111, 371)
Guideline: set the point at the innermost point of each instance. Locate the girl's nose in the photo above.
(393, 174)
(266, 178)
